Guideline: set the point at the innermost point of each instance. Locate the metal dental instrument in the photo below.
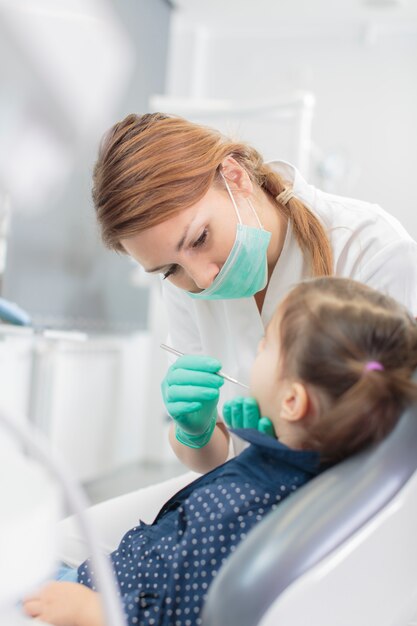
(220, 373)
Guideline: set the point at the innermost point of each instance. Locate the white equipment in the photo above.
(280, 128)
(30, 509)
(30, 504)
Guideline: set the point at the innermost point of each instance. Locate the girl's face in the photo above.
(190, 248)
(264, 383)
(287, 401)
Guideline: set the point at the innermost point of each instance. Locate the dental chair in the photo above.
(342, 551)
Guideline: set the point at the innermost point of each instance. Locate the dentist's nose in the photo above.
(203, 275)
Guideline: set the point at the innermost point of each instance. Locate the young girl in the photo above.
(333, 376)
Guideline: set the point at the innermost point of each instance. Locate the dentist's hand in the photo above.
(244, 413)
(190, 391)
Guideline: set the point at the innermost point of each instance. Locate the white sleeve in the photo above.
(183, 333)
(394, 272)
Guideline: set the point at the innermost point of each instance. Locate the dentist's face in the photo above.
(190, 248)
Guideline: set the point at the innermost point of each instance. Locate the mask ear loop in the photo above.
(256, 215)
(235, 205)
(231, 197)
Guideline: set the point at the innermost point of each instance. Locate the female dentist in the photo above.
(230, 235)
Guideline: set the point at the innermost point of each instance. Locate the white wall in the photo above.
(359, 60)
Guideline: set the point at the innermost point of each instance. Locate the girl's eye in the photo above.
(200, 241)
(170, 272)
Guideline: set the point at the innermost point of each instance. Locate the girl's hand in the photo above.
(244, 413)
(65, 604)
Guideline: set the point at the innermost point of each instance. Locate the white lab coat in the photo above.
(369, 245)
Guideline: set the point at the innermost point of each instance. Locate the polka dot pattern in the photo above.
(164, 569)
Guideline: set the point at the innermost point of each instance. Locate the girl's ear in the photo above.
(236, 176)
(295, 403)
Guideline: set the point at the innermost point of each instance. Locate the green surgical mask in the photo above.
(245, 271)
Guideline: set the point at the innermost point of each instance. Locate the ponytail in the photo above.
(364, 415)
(311, 237)
(308, 230)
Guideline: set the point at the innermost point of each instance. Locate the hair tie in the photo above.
(373, 365)
(285, 196)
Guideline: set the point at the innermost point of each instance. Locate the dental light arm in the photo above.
(37, 448)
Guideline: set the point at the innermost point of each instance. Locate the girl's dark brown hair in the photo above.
(152, 166)
(330, 328)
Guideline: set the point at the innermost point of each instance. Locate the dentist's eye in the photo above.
(201, 240)
(172, 270)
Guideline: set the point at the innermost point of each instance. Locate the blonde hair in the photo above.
(329, 329)
(152, 166)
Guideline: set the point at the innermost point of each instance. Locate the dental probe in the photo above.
(220, 373)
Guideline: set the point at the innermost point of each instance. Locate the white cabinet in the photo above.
(92, 398)
(15, 380)
(15, 371)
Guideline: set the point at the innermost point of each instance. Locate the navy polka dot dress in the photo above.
(164, 569)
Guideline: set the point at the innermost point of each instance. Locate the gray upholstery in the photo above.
(309, 525)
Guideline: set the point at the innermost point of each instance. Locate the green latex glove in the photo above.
(244, 413)
(190, 391)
